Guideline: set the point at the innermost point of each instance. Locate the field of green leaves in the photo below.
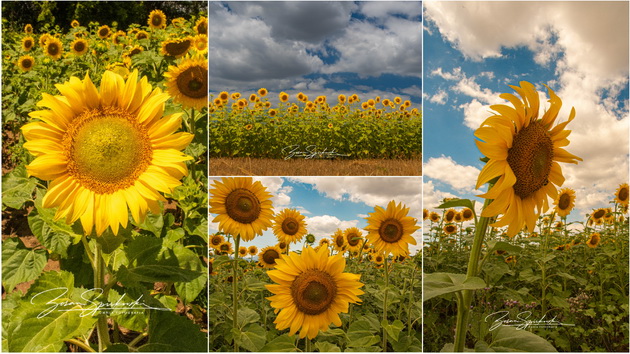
(253, 126)
(95, 256)
(564, 286)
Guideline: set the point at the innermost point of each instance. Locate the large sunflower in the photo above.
(621, 196)
(26, 62)
(289, 226)
(188, 82)
(390, 229)
(53, 48)
(354, 239)
(523, 153)
(106, 152)
(243, 206)
(157, 19)
(565, 201)
(311, 290)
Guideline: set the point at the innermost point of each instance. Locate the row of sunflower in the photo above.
(308, 288)
(262, 126)
(108, 131)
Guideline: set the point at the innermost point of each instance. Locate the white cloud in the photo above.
(446, 170)
(439, 98)
(326, 225)
(431, 196)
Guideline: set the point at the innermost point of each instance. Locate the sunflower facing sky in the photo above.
(523, 152)
(243, 206)
(311, 290)
(390, 229)
(107, 151)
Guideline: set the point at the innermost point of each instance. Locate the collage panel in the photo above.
(104, 176)
(525, 176)
(301, 88)
(304, 264)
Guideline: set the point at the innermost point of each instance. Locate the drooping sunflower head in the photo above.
(268, 256)
(142, 35)
(216, 240)
(201, 26)
(598, 215)
(621, 196)
(28, 43)
(79, 46)
(104, 32)
(177, 47)
(157, 19)
(243, 206)
(188, 82)
(26, 62)
(252, 250)
(53, 48)
(593, 240)
(390, 229)
(118, 37)
(458, 217)
(425, 214)
(450, 229)
(339, 241)
(311, 290)
(289, 226)
(324, 242)
(523, 152)
(565, 201)
(510, 259)
(107, 151)
(354, 239)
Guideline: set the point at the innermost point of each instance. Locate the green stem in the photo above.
(138, 339)
(102, 328)
(81, 345)
(463, 305)
(237, 240)
(385, 303)
(308, 345)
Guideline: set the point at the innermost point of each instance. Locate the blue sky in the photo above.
(329, 203)
(317, 47)
(474, 50)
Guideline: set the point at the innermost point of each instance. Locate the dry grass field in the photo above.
(312, 167)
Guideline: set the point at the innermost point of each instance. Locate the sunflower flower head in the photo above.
(311, 290)
(565, 201)
(107, 151)
(289, 226)
(621, 196)
(523, 153)
(389, 230)
(187, 82)
(244, 207)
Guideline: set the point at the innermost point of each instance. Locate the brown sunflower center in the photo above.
(282, 245)
(391, 230)
(107, 150)
(215, 241)
(103, 32)
(79, 46)
(449, 215)
(599, 214)
(353, 239)
(28, 44)
(623, 194)
(27, 63)
(53, 49)
(177, 48)
(339, 241)
(193, 82)
(243, 206)
(467, 213)
(224, 247)
(141, 35)
(290, 226)
(313, 291)
(564, 202)
(530, 159)
(156, 20)
(450, 229)
(270, 256)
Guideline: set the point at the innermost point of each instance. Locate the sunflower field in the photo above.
(104, 197)
(358, 290)
(252, 126)
(521, 275)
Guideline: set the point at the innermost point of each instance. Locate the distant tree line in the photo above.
(42, 14)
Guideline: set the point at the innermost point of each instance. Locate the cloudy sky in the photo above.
(319, 48)
(473, 50)
(329, 203)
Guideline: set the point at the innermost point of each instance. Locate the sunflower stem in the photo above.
(385, 303)
(308, 345)
(81, 345)
(463, 305)
(102, 328)
(237, 240)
